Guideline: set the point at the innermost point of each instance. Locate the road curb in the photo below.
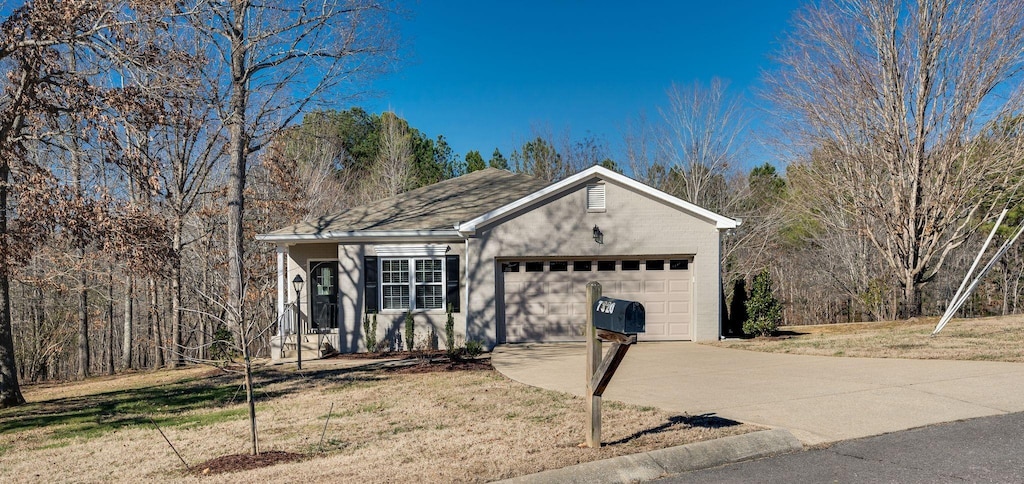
(651, 465)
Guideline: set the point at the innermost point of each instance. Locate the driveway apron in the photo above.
(819, 399)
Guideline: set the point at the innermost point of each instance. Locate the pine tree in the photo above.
(475, 162)
(763, 309)
(498, 160)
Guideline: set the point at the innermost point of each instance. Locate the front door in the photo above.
(324, 287)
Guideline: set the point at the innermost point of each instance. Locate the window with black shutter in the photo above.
(370, 284)
(451, 263)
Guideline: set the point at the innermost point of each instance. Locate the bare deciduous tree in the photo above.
(700, 140)
(898, 101)
(273, 61)
(393, 166)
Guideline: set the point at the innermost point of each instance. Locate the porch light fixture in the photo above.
(598, 235)
(297, 285)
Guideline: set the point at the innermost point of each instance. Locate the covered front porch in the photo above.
(311, 321)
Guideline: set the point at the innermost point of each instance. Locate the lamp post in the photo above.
(297, 285)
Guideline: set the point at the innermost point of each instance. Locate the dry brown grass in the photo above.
(468, 426)
(992, 339)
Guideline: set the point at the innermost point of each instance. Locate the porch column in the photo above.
(282, 285)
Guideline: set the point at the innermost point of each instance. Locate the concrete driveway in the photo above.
(819, 399)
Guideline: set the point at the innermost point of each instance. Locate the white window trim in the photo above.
(432, 251)
(412, 283)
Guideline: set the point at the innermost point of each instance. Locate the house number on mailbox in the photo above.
(606, 307)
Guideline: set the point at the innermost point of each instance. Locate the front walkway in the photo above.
(819, 399)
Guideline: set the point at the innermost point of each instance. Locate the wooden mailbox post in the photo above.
(600, 371)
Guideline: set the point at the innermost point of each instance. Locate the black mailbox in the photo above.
(619, 316)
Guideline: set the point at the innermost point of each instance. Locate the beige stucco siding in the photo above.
(351, 304)
(633, 225)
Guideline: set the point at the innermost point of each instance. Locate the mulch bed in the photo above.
(244, 462)
(431, 361)
(393, 355)
(443, 365)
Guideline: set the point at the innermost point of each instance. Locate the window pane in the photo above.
(581, 266)
(630, 265)
(534, 267)
(606, 265)
(429, 297)
(559, 266)
(395, 271)
(428, 270)
(509, 267)
(655, 265)
(678, 264)
(395, 296)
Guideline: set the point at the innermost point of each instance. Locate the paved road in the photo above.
(819, 399)
(987, 449)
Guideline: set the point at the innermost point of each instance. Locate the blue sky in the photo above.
(486, 74)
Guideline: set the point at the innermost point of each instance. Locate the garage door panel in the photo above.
(631, 287)
(558, 309)
(654, 307)
(654, 286)
(533, 309)
(679, 330)
(546, 333)
(558, 288)
(655, 328)
(534, 290)
(679, 287)
(551, 306)
(679, 307)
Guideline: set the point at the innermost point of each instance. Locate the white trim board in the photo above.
(411, 250)
(470, 227)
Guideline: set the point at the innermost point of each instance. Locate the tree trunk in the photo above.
(176, 348)
(35, 314)
(126, 336)
(10, 390)
(250, 400)
(83, 321)
(110, 323)
(237, 152)
(204, 316)
(154, 320)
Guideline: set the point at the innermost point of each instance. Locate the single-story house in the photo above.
(510, 254)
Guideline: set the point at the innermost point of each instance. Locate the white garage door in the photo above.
(546, 300)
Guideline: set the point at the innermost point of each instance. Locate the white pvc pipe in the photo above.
(977, 259)
(961, 296)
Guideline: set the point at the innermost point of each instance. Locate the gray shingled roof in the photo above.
(435, 207)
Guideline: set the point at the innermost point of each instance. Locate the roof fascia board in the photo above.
(362, 236)
(721, 222)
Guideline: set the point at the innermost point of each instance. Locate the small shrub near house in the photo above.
(449, 336)
(370, 333)
(410, 331)
(764, 312)
(474, 348)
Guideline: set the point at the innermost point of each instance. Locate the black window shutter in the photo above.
(451, 276)
(370, 284)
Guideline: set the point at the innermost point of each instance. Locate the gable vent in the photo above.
(595, 197)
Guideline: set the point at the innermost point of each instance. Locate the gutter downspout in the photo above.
(465, 331)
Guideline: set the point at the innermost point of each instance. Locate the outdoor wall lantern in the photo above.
(598, 235)
(297, 285)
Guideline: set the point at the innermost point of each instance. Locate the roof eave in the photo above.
(361, 235)
(721, 222)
